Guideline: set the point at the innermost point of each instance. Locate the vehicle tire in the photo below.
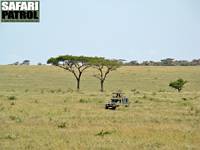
(113, 108)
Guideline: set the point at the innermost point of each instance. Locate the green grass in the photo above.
(40, 109)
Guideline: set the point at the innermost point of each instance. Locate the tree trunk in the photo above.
(102, 81)
(78, 84)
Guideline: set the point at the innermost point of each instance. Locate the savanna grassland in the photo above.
(40, 109)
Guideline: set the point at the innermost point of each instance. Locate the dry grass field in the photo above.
(40, 109)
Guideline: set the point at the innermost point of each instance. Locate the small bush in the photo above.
(103, 133)
(136, 101)
(58, 90)
(100, 101)
(16, 119)
(151, 99)
(92, 95)
(50, 119)
(184, 98)
(42, 91)
(12, 98)
(61, 125)
(84, 100)
(133, 90)
(10, 136)
(66, 109)
(154, 93)
(12, 117)
(178, 84)
(197, 111)
(144, 97)
(52, 91)
(137, 92)
(12, 103)
(161, 90)
(191, 108)
(2, 108)
(70, 90)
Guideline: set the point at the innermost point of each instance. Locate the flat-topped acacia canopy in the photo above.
(72, 59)
(78, 64)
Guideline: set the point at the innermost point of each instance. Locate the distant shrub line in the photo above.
(164, 62)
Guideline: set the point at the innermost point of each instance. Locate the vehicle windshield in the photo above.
(114, 100)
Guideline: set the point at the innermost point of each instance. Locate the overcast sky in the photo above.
(126, 29)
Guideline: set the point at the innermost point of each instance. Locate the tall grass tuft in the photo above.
(12, 98)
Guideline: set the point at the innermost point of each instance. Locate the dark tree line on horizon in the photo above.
(165, 62)
(25, 62)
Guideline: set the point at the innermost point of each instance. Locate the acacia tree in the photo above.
(104, 67)
(74, 64)
(178, 84)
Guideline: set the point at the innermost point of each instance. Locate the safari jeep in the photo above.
(117, 100)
